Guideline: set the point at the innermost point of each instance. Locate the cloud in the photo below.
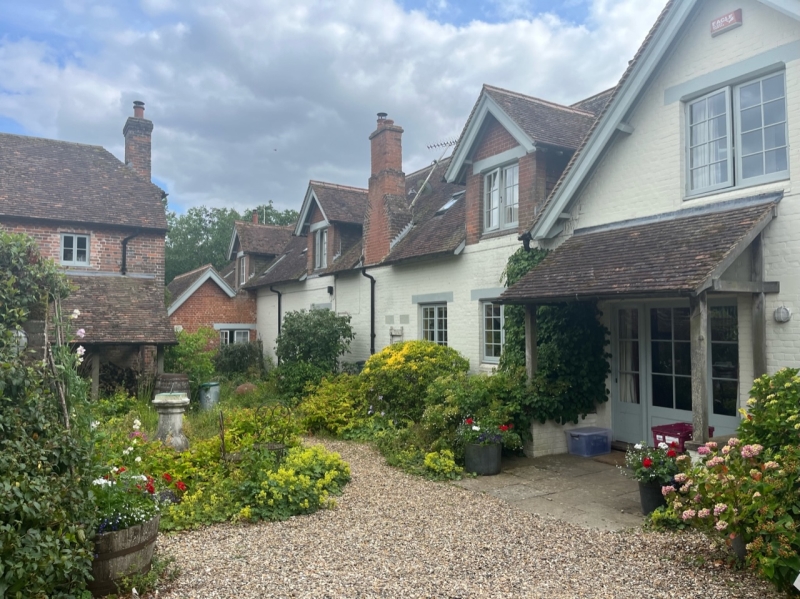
(250, 100)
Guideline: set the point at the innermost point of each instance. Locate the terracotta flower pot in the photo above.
(122, 553)
(483, 460)
(651, 497)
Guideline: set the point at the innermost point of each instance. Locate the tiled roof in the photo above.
(120, 310)
(289, 266)
(227, 273)
(262, 239)
(544, 122)
(614, 92)
(674, 255)
(596, 103)
(348, 260)
(76, 183)
(341, 203)
(182, 282)
(432, 234)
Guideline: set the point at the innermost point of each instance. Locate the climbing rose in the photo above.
(647, 462)
(671, 453)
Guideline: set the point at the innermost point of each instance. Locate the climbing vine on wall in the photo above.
(573, 363)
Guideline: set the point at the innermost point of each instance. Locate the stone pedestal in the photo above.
(170, 408)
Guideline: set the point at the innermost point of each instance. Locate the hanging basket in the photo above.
(120, 554)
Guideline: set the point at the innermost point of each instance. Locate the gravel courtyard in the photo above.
(393, 535)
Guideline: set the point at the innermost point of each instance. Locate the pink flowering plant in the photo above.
(652, 464)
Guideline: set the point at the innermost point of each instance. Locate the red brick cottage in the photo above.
(104, 222)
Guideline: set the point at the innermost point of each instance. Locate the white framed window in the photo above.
(234, 336)
(224, 337)
(737, 136)
(321, 248)
(74, 249)
(241, 336)
(434, 323)
(242, 270)
(493, 331)
(501, 198)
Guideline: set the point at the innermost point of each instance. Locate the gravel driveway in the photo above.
(393, 535)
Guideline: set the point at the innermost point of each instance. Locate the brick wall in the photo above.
(210, 304)
(137, 132)
(145, 252)
(493, 140)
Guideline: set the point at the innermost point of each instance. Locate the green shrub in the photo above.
(193, 356)
(241, 358)
(442, 466)
(335, 406)
(396, 378)
(317, 337)
(293, 380)
(773, 417)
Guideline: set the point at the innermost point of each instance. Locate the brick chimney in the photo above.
(387, 179)
(255, 216)
(137, 132)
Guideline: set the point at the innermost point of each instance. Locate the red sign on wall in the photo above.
(726, 22)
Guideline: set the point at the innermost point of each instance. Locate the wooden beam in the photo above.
(759, 312)
(746, 286)
(531, 351)
(95, 374)
(699, 342)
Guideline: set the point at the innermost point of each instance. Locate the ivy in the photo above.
(573, 363)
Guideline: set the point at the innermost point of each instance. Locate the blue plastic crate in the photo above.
(589, 441)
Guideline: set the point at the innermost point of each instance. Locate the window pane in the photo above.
(698, 111)
(773, 87)
(751, 142)
(775, 136)
(683, 358)
(80, 255)
(683, 393)
(629, 324)
(662, 391)
(725, 361)
(750, 95)
(681, 316)
(629, 388)
(719, 150)
(719, 172)
(698, 133)
(700, 178)
(751, 118)
(662, 357)
(774, 112)
(661, 323)
(717, 127)
(716, 105)
(81, 242)
(724, 323)
(699, 156)
(725, 397)
(752, 166)
(629, 356)
(776, 161)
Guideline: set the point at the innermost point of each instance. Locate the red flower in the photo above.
(181, 486)
(468, 421)
(503, 427)
(122, 469)
(671, 453)
(150, 488)
(510, 426)
(647, 462)
(167, 477)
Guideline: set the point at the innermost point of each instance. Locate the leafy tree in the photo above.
(317, 337)
(268, 215)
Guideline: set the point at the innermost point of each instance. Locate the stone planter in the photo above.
(651, 497)
(170, 408)
(483, 460)
(120, 554)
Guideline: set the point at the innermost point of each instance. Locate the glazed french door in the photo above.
(627, 410)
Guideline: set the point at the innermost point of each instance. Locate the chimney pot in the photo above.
(138, 109)
(255, 216)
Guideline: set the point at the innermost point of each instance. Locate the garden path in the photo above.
(394, 535)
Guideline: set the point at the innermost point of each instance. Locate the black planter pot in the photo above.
(483, 460)
(651, 497)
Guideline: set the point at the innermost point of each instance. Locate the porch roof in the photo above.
(679, 253)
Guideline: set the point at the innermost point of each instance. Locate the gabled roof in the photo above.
(672, 254)
(530, 121)
(623, 99)
(77, 183)
(267, 240)
(290, 266)
(120, 310)
(596, 103)
(183, 286)
(338, 203)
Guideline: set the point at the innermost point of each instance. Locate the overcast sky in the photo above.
(252, 98)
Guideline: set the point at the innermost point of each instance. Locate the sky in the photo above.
(252, 99)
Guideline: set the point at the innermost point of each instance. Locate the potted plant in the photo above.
(654, 468)
(483, 444)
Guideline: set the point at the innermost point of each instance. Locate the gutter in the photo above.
(124, 266)
(280, 295)
(371, 310)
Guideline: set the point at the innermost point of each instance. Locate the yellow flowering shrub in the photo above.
(336, 405)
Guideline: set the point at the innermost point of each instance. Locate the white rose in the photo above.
(138, 459)
(663, 445)
(475, 427)
(637, 446)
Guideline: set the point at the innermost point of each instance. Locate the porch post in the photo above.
(699, 333)
(531, 351)
(95, 373)
(759, 311)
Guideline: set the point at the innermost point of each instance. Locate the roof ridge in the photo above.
(538, 100)
(246, 222)
(191, 272)
(60, 141)
(337, 185)
(592, 97)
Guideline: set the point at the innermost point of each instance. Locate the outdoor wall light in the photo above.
(783, 314)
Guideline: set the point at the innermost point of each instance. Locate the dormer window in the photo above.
(74, 250)
(321, 248)
(501, 198)
(242, 270)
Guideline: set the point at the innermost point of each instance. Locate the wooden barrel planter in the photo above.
(168, 382)
(120, 554)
